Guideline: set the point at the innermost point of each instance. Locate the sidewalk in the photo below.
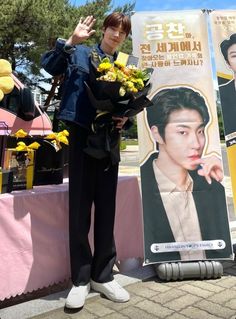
(150, 299)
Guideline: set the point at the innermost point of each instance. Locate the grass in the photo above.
(124, 143)
(131, 142)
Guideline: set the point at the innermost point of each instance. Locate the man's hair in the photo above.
(224, 46)
(167, 101)
(116, 19)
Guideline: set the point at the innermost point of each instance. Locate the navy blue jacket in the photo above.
(75, 105)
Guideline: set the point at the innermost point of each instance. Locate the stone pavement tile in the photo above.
(195, 313)
(137, 313)
(215, 309)
(227, 282)
(116, 316)
(224, 296)
(61, 314)
(196, 291)
(97, 308)
(154, 308)
(177, 284)
(155, 285)
(208, 285)
(176, 316)
(182, 302)
(142, 290)
(232, 305)
(164, 297)
(117, 306)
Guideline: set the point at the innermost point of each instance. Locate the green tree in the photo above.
(30, 27)
(27, 26)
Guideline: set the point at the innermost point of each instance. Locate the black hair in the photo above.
(173, 99)
(224, 46)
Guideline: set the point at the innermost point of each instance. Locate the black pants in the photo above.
(90, 181)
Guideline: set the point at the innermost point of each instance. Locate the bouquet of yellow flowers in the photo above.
(132, 79)
(115, 90)
(118, 88)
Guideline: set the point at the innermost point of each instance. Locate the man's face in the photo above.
(232, 57)
(114, 36)
(184, 139)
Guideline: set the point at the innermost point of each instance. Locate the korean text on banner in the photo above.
(179, 138)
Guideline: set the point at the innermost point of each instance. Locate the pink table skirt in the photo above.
(34, 246)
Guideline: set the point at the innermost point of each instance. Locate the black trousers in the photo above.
(90, 181)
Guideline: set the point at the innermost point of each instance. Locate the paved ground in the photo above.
(150, 297)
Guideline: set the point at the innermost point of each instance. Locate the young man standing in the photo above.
(91, 180)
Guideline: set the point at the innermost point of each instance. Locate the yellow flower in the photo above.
(132, 78)
(104, 67)
(119, 64)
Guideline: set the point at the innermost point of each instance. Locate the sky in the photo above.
(160, 5)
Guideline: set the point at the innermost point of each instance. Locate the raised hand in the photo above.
(83, 30)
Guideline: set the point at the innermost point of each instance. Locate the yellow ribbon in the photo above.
(21, 146)
(20, 133)
(58, 138)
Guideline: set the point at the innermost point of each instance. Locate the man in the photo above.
(228, 90)
(91, 180)
(182, 202)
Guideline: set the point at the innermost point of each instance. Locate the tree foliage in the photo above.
(30, 27)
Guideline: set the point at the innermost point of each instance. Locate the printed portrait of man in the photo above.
(183, 198)
(228, 90)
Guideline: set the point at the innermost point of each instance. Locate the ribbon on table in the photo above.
(58, 138)
(20, 133)
(21, 146)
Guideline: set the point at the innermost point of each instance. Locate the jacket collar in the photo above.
(103, 54)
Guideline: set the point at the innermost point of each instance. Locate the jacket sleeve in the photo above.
(55, 62)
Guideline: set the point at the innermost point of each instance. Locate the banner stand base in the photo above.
(186, 270)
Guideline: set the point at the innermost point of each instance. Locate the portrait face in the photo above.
(232, 57)
(184, 139)
(114, 36)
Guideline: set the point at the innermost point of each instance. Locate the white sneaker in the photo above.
(77, 295)
(112, 290)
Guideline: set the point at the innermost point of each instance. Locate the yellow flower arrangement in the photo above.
(132, 79)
